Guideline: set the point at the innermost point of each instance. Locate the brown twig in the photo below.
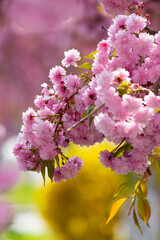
(150, 31)
(155, 87)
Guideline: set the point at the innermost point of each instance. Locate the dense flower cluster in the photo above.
(44, 132)
(126, 67)
(116, 98)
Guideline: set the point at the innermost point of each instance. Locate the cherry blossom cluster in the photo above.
(114, 98)
(127, 68)
(45, 131)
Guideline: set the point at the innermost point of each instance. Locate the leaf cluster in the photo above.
(139, 202)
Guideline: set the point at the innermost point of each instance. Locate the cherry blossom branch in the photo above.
(105, 29)
(86, 117)
(150, 31)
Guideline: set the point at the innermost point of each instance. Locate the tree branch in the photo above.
(155, 87)
(86, 117)
(150, 31)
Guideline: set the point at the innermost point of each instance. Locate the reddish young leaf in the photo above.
(136, 221)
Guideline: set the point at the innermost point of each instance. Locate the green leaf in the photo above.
(86, 81)
(137, 185)
(141, 192)
(136, 221)
(91, 55)
(115, 207)
(120, 189)
(144, 210)
(57, 160)
(113, 55)
(84, 114)
(90, 121)
(88, 110)
(86, 65)
(43, 171)
(144, 188)
(159, 161)
(128, 146)
(50, 169)
(147, 211)
(123, 148)
(119, 151)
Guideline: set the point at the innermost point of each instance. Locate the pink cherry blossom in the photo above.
(115, 99)
(71, 57)
(135, 23)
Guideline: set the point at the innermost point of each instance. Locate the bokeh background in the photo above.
(33, 36)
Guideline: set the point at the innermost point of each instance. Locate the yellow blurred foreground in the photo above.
(78, 208)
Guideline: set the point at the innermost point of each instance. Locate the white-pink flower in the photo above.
(48, 151)
(72, 82)
(56, 74)
(135, 23)
(71, 57)
(72, 167)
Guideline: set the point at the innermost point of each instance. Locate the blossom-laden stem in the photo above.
(85, 118)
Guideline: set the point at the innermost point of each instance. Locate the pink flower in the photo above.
(152, 101)
(135, 23)
(28, 118)
(140, 75)
(124, 40)
(48, 151)
(121, 81)
(120, 75)
(145, 44)
(39, 101)
(43, 131)
(154, 73)
(155, 54)
(89, 96)
(58, 176)
(69, 170)
(56, 74)
(105, 158)
(72, 82)
(106, 125)
(72, 167)
(131, 104)
(103, 46)
(71, 57)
